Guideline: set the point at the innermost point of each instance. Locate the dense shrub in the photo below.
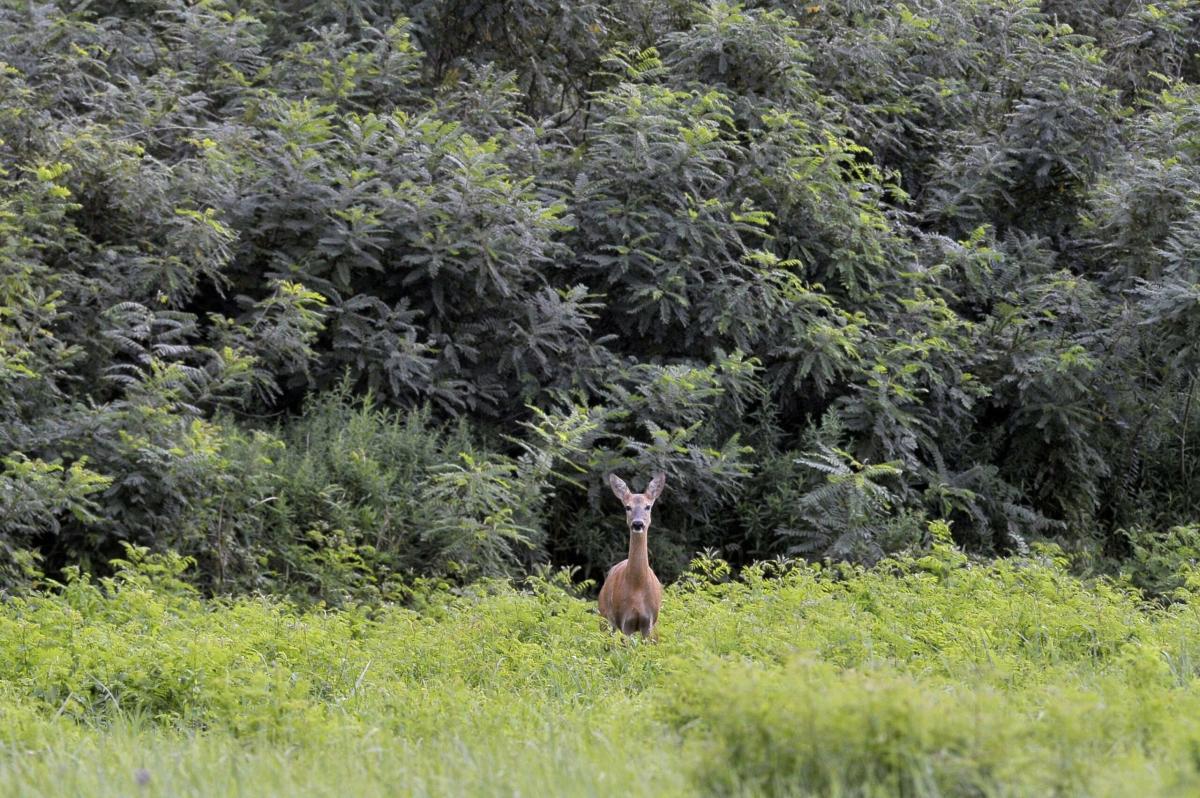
(835, 267)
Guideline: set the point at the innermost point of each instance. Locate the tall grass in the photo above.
(920, 677)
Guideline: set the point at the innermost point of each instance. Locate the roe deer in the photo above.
(632, 595)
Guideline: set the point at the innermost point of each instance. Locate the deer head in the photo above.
(637, 505)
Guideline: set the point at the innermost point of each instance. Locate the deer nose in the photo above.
(638, 525)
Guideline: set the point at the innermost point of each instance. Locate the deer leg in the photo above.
(646, 627)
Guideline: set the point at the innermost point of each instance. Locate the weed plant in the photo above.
(921, 676)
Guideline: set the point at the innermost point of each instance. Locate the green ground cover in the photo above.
(930, 676)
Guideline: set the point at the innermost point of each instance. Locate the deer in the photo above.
(632, 595)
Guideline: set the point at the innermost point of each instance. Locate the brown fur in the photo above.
(632, 595)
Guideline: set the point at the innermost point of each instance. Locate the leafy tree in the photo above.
(332, 297)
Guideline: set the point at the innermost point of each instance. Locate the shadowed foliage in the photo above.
(335, 296)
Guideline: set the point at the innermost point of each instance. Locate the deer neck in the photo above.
(639, 560)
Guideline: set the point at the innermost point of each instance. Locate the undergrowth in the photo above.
(930, 676)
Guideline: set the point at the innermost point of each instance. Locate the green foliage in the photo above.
(922, 677)
(847, 509)
(33, 493)
(355, 498)
(1162, 560)
(554, 240)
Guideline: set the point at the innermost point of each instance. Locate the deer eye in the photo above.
(629, 508)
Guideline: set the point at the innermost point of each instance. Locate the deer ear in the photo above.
(656, 485)
(619, 488)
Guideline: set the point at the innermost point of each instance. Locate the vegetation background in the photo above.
(331, 296)
(353, 304)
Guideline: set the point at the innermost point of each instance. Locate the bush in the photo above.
(636, 235)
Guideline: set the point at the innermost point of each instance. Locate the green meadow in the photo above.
(932, 676)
